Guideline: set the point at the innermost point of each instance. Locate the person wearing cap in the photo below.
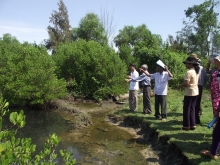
(213, 152)
(133, 89)
(161, 78)
(191, 92)
(146, 84)
(201, 82)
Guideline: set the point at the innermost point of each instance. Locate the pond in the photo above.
(99, 143)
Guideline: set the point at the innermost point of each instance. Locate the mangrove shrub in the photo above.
(91, 69)
(28, 75)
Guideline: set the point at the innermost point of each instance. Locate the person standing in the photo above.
(213, 152)
(133, 89)
(161, 78)
(214, 84)
(201, 82)
(191, 92)
(146, 85)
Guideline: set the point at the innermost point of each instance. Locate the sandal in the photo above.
(208, 154)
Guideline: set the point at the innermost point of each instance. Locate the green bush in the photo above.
(21, 150)
(28, 75)
(91, 70)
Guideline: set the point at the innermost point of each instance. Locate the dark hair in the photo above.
(194, 62)
(197, 68)
(132, 64)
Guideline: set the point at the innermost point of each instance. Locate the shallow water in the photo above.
(100, 143)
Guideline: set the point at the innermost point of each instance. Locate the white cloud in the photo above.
(23, 32)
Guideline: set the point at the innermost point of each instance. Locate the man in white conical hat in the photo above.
(161, 78)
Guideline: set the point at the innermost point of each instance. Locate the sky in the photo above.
(27, 20)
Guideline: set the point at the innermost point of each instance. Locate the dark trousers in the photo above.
(161, 100)
(215, 139)
(146, 99)
(189, 105)
(198, 105)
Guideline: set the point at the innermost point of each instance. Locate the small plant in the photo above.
(21, 150)
(83, 119)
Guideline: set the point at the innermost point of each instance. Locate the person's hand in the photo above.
(127, 80)
(166, 67)
(129, 77)
(141, 69)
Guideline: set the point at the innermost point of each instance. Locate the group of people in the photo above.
(194, 80)
(161, 78)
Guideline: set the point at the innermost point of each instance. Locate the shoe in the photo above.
(208, 154)
(164, 119)
(193, 127)
(157, 116)
(147, 113)
(186, 128)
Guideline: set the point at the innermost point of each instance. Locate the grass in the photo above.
(189, 142)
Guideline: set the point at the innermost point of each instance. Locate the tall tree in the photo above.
(204, 19)
(90, 28)
(130, 36)
(177, 44)
(107, 20)
(215, 41)
(60, 32)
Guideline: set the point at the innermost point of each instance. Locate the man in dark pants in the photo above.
(146, 85)
(160, 89)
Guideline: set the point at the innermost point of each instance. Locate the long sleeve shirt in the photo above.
(134, 85)
(144, 78)
(161, 82)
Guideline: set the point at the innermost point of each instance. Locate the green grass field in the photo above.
(190, 142)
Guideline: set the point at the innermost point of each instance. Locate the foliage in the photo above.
(131, 36)
(215, 41)
(91, 28)
(28, 75)
(125, 53)
(20, 150)
(177, 44)
(60, 32)
(203, 20)
(91, 70)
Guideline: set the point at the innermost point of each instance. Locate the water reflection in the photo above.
(100, 143)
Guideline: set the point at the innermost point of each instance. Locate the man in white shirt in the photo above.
(133, 90)
(160, 89)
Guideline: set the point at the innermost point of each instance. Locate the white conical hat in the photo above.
(160, 63)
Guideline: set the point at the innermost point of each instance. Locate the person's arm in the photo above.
(169, 73)
(185, 84)
(140, 78)
(145, 72)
